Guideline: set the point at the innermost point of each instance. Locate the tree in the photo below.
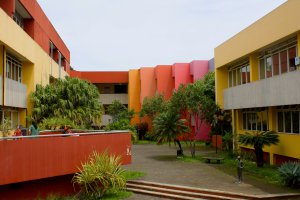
(201, 104)
(258, 140)
(168, 126)
(152, 106)
(72, 98)
(118, 111)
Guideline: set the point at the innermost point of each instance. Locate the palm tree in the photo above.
(258, 140)
(168, 126)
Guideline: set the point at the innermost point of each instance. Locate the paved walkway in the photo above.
(160, 164)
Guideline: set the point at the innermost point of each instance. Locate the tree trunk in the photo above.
(179, 145)
(259, 156)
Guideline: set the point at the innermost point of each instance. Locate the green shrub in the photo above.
(123, 124)
(290, 174)
(227, 141)
(100, 174)
(56, 123)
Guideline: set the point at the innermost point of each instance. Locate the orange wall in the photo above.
(134, 93)
(31, 159)
(148, 82)
(102, 77)
(164, 80)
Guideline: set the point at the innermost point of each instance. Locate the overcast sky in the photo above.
(118, 35)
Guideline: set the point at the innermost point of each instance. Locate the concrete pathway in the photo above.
(160, 164)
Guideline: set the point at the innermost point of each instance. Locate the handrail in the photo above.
(64, 134)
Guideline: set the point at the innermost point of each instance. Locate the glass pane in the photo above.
(244, 121)
(287, 117)
(276, 64)
(253, 121)
(244, 75)
(249, 121)
(238, 76)
(248, 73)
(262, 68)
(265, 120)
(230, 79)
(15, 121)
(280, 121)
(269, 67)
(8, 69)
(283, 61)
(20, 74)
(13, 72)
(292, 55)
(259, 120)
(295, 118)
(234, 77)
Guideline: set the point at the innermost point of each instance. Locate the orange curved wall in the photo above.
(148, 82)
(102, 77)
(134, 92)
(181, 74)
(164, 80)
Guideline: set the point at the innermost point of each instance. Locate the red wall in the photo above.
(43, 29)
(31, 159)
(181, 74)
(8, 6)
(164, 80)
(198, 69)
(102, 77)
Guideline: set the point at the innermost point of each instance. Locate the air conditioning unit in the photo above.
(297, 61)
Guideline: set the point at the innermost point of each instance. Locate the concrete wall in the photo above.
(274, 91)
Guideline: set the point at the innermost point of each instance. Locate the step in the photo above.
(164, 195)
(205, 193)
(178, 191)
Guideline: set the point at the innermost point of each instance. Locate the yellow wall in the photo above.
(37, 63)
(134, 93)
(221, 77)
(275, 26)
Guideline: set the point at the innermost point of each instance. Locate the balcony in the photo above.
(275, 91)
(15, 94)
(45, 156)
(109, 98)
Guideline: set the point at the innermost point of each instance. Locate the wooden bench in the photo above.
(218, 160)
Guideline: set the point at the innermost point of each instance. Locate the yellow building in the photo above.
(258, 79)
(31, 53)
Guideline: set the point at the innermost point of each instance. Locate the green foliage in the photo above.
(227, 141)
(130, 175)
(71, 98)
(290, 174)
(153, 105)
(5, 127)
(118, 111)
(123, 124)
(178, 100)
(258, 140)
(57, 123)
(99, 174)
(168, 126)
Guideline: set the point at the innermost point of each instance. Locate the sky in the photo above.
(118, 35)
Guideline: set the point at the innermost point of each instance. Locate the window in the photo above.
(255, 119)
(288, 119)
(239, 75)
(18, 19)
(278, 60)
(13, 68)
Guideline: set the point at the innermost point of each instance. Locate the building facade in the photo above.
(257, 78)
(31, 52)
(133, 86)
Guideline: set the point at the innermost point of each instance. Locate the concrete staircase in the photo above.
(190, 193)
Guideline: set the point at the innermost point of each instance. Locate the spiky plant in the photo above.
(99, 174)
(290, 174)
(258, 140)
